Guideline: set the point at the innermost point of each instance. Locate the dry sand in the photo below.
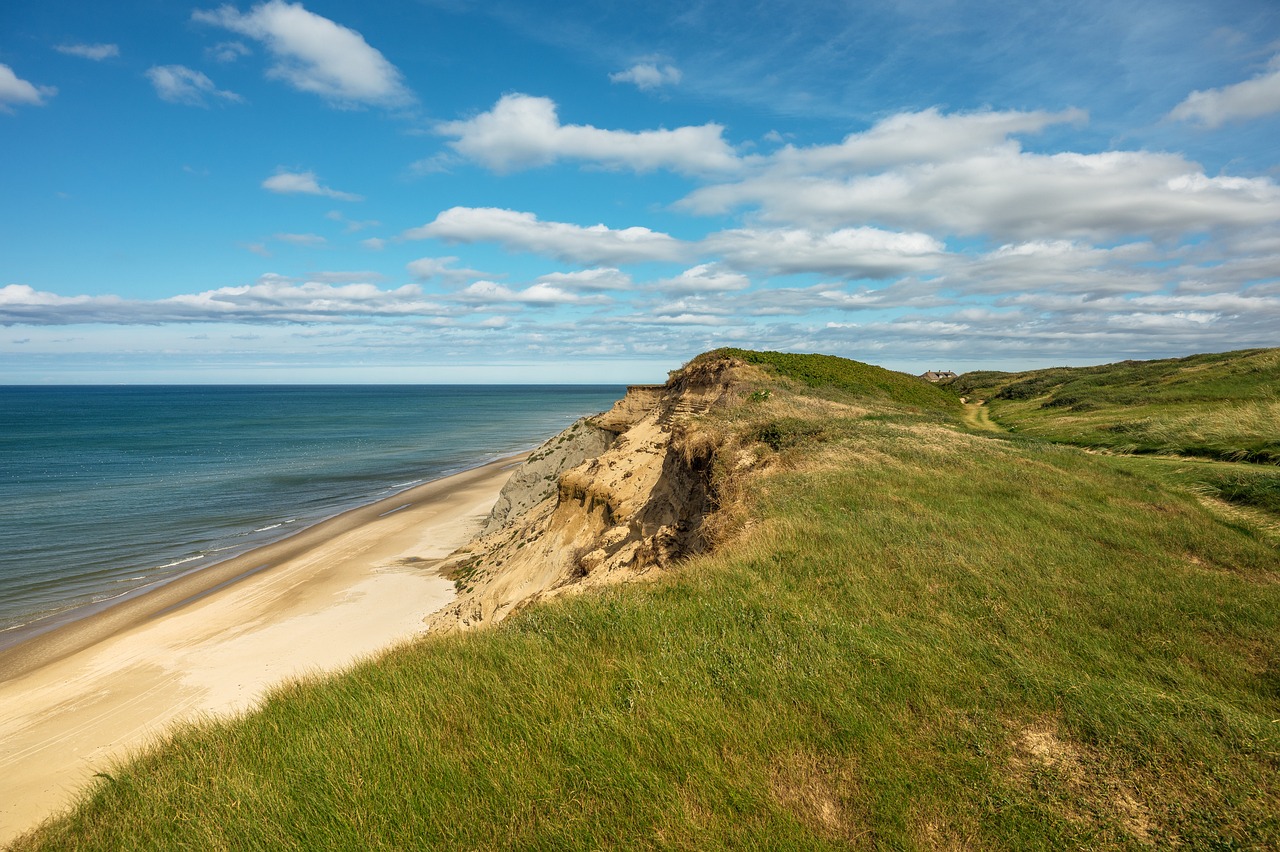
(74, 701)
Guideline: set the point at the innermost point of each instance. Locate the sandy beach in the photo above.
(79, 698)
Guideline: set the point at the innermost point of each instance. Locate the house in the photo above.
(937, 375)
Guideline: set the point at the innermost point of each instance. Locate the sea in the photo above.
(106, 490)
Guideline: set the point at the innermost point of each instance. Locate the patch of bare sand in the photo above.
(1090, 793)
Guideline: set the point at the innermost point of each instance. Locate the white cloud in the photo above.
(426, 268)
(848, 252)
(648, 75)
(678, 319)
(536, 295)
(304, 183)
(227, 51)
(519, 231)
(705, 278)
(301, 239)
(522, 131)
(272, 299)
(920, 137)
(374, 243)
(314, 54)
(274, 296)
(1061, 266)
(597, 280)
(1001, 192)
(96, 52)
(15, 90)
(1250, 99)
(178, 84)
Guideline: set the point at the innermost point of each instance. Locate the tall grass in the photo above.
(919, 639)
(852, 378)
(1221, 406)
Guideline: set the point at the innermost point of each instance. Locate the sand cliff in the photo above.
(635, 504)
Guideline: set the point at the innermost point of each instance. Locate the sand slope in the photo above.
(215, 641)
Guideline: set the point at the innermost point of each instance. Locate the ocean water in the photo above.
(104, 490)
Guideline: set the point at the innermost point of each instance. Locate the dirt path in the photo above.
(976, 417)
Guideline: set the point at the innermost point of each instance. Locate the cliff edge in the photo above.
(636, 504)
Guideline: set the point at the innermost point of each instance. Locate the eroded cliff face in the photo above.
(538, 477)
(637, 506)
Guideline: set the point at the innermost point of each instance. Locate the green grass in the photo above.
(922, 639)
(1221, 406)
(854, 378)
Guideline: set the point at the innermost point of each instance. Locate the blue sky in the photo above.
(445, 191)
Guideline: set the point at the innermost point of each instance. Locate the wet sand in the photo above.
(77, 699)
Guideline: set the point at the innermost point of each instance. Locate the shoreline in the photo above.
(52, 637)
(81, 695)
(57, 617)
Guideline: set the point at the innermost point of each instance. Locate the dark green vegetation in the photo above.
(1222, 406)
(920, 638)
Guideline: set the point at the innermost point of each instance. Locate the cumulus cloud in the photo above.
(1004, 193)
(705, 278)
(648, 75)
(426, 268)
(520, 231)
(598, 280)
(1250, 99)
(1062, 266)
(304, 183)
(96, 52)
(536, 295)
(272, 299)
(314, 54)
(15, 90)
(920, 137)
(178, 84)
(847, 252)
(522, 131)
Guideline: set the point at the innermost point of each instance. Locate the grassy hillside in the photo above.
(914, 637)
(827, 373)
(1222, 406)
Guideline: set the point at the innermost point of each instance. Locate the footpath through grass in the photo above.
(921, 639)
(1223, 406)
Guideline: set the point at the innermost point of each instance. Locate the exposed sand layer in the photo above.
(74, 701)
(637, 503)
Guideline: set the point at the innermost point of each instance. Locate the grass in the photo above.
(919, 638)
(1220, 406)
(826, 373)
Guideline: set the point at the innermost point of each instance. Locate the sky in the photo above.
(448, 191)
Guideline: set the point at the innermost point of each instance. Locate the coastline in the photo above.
(82, 695)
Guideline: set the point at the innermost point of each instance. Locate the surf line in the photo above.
(188, 601)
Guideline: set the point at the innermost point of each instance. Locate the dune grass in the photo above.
(918, 638)
(1221, 406)
(823, 374)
